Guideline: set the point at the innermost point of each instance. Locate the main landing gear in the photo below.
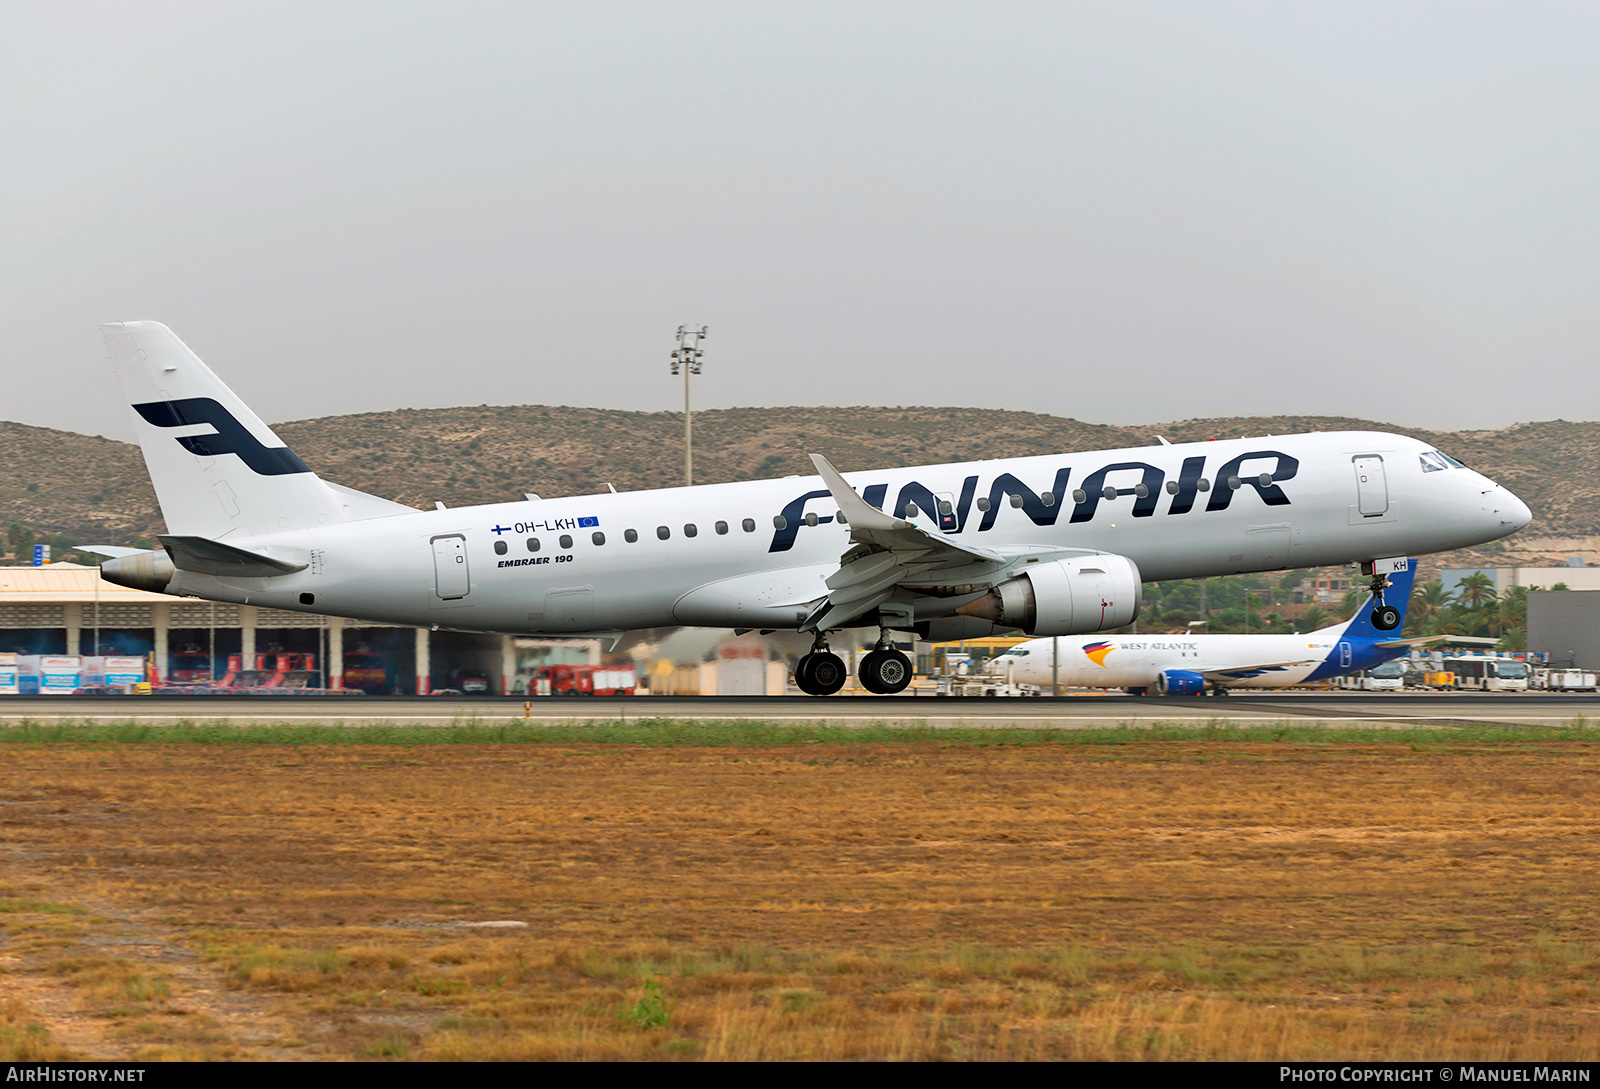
(821, 672)
(883, 671)
(1384, 617)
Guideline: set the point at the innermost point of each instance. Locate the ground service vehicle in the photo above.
(1569, 680)
(365, 671)
(582, 680)
(1487, 673)
(1388, 677)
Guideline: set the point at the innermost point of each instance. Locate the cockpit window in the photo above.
(1433, 461)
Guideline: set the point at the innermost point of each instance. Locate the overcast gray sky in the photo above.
(1123, 212)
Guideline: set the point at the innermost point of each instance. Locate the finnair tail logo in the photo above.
(231, 437)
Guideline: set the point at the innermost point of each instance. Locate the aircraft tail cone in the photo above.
(150, 571)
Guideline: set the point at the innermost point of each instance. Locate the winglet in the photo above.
(859, 513)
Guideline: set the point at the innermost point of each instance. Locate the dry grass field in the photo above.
(1153, 900)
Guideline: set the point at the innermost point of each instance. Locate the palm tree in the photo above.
(1475, 591)
(1429, 605)
(1475, 607)
(1353, 602)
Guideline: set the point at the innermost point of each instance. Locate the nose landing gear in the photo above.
(1384, 617)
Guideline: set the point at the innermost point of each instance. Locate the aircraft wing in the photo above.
(1243, 672)
(889, 552)
(1427, 640)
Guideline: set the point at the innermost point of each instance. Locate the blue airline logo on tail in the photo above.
(231, 437)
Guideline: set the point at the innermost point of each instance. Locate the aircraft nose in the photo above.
(1513, 511)
(1509, 512)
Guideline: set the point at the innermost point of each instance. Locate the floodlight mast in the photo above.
(687, 356)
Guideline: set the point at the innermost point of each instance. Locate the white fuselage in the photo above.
(1300, 501)
(1135, 661)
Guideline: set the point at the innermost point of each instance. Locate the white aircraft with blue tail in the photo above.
(1182, 665)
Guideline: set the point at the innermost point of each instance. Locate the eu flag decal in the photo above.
(588, 523)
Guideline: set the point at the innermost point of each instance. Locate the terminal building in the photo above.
(66, 608)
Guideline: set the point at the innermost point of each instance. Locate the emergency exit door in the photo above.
(1372, 487)
(450, 580)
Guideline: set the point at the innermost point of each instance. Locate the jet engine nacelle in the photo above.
(1065, 597)
(1180, 682)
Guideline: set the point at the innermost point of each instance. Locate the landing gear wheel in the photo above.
(884, 672)
(820, 673)
(802, 669)
(1384, 617)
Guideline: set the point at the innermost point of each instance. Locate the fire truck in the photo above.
(582, 680)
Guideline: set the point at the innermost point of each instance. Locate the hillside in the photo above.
(60, 483)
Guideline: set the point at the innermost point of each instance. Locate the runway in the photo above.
(1083, 711)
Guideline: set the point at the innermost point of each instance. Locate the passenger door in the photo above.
(451, 581)
(1372, 487)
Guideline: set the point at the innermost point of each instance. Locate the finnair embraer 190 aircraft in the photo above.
(1054, 545)
(1181, 665)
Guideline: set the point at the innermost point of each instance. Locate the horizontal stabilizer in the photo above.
(207, 557)
(114, 552)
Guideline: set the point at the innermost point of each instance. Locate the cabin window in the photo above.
(1108, 492)
(630, 535)
(1079, 495)
(1141, 490)
(1203, 484)
(812, 519)
(1235, 483)
(566, 541)
(689, 529)
(533, 544)
(1172, 487)
(983, 503)
(1048, 499)
(779, 522)
(663, 532)
(1265, 479)
(499, 548)
(1016, 501)
(722, 529)
(749, 525)
(598, 538)
(839, 517)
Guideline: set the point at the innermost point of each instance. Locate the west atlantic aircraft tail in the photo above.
(218, 470)
(1397, 594)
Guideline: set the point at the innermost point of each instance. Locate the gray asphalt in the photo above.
(1081, 711)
